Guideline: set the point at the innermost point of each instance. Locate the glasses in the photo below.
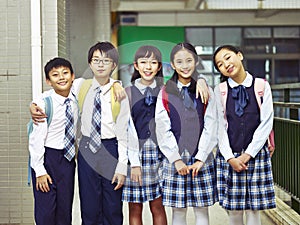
(105, 61)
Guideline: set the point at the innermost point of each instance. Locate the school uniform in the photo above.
(187, 133)
(100, 203)
(251, 189)
(147, 156)
(46, 147)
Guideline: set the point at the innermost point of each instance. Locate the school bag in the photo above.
(259, 90)
(86, 85)
(49, 113)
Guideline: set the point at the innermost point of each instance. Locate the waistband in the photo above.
(87, 139)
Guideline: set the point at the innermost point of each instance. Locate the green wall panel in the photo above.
(130, 38)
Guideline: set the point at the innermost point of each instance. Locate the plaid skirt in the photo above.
(151, 164)
(184, 191)
(250, 189)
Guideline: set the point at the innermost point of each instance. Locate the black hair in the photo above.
(145, 52)
(173, 80)
(55, 63)
(228, 47)
(106, 48)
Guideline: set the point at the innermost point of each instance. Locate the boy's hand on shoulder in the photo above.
(42, 183)
(37, 114)
(196, 167)
(237, 164)
(181, 167)
(202, 90)
(136, 174)
(120, 179)
(119, 92)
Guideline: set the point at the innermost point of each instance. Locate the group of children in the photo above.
(154, 144)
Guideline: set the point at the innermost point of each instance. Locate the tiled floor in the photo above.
(218, 216)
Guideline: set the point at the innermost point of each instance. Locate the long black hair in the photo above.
(146, 51)
(228, 47)
(172, 82)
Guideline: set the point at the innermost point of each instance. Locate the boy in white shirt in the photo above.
(52, 149)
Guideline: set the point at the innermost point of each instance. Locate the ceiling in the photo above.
(265, 7)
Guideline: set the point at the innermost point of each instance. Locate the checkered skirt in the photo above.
(251, 189)
(151, 159)
(184, 191)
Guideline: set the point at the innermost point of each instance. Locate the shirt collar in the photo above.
(180, 85)
(104, 88)
(143, 87)
(61, 99)
(247, 82)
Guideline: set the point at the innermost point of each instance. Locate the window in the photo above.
(230, 36)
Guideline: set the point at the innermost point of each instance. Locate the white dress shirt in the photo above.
(166, 139)
(261, 133)
(109, 128)
(52, 136)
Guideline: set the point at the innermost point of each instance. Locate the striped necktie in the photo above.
(95, 137)
(69, 139)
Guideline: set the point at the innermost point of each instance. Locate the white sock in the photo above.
(236, 217)
(179, 216)
(201, 215)
(253, 217)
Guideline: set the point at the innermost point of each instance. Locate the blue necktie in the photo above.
(148, 97)
(95, 137)
(69, 139)
(187, 101)
(240, 95)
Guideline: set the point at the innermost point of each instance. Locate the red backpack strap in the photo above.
(165, 99)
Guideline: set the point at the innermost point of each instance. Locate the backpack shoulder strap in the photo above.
(165, 99)
(49, 113)
(259, 89)
(85, 86)
(48, 109)
(223, 90)
(115, 105)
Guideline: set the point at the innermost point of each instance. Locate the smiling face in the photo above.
(61, 80)
(230, 64)
(102, 66)
(184, 63)
(147, 68)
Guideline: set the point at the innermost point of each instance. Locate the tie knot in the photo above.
(67, 101)
(148, 96)
(184, 91)
(98, 90)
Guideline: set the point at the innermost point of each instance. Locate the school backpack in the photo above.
(259, 89)
(49, 113)
(86, 85)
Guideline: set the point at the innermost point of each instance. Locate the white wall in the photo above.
(218, 18)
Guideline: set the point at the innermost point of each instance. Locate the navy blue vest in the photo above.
(186, 124)
(143, 115)
(241, 129)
